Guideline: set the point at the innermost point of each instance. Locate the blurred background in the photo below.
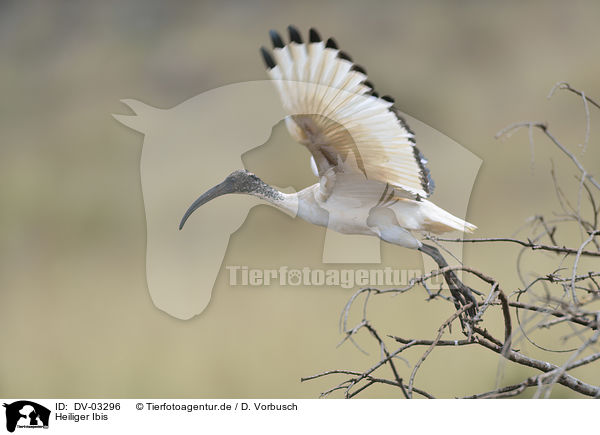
(76, 319)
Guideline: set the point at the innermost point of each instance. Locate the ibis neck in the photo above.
(287, 202)
(301, 204)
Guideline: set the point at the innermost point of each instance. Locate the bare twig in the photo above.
(565, 296)
(544, 128)
(527, 244)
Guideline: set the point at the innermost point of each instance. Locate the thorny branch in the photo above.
(565, 297)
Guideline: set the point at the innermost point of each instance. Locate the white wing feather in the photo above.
(334, 111)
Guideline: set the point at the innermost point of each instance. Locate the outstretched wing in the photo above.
(335, 112)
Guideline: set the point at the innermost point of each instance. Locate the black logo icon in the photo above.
(26, 414)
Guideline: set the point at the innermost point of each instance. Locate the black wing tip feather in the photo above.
(276, 39)
(426, 181)
(344, 55)
(402, 121)
(294, 35)
(331, 44)
(267, 58)
(313, 35)
(359, 69)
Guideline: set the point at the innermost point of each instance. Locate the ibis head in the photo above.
(240, 181)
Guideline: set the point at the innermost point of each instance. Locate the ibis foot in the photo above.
(461, 293)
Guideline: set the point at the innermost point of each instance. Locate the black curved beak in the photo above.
(220, 189)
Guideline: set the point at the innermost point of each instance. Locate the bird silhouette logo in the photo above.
(373, 183)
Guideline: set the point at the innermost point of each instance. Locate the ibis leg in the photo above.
(461, 293)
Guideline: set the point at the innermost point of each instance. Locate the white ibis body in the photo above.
(340, 209)
(372, 178)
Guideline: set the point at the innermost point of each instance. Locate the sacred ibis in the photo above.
(373, 180)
